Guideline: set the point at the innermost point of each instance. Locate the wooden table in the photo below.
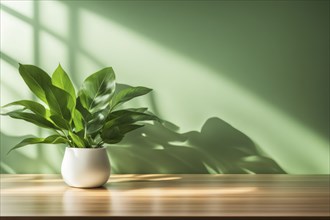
(169, 195)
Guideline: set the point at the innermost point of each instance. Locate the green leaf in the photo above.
(96, 121)
(111, 135)
(78, 121)
(128, 128)
(32, 118)
(84, 112)
(60, 122)
(79, 142)
(97, 90)
(127, 117)
(121, 122)
(58, 100)
(137, 109)
(116, 134)
(61, 80)
(31, 105)
(36, 79)
(128, 94)
(53, 139)
(60, 103)
(85, 116)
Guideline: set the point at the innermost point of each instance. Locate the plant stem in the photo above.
(100, 144)
(70, 143)
(85, 130)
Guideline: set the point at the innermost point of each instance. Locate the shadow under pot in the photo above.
(85, 167)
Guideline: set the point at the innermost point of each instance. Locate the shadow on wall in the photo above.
(217, 148)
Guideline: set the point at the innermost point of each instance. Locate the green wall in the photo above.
(245, 84)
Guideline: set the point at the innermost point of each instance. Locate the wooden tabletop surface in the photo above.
(168, 195)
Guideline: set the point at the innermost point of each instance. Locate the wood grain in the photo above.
(168, 195)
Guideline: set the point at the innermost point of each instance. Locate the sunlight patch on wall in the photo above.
(188, 93)
(55, 16)
(23, 7)
(12, 43)
(12, 85)
(13, 88)
(85, 66)
(52, 52)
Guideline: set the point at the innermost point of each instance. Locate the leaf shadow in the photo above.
(217, 148)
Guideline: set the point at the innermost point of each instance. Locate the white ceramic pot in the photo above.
(85, 167)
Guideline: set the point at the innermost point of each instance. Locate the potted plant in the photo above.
(86, 121)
